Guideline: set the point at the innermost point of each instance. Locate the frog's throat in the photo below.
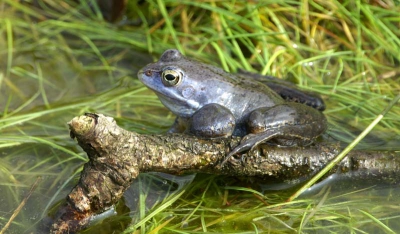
(179, 106)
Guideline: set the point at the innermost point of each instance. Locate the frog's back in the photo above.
(237, 93)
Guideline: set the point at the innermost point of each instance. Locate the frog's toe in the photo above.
(247, 143)
(238, 149)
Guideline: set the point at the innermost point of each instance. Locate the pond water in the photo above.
(39, 94)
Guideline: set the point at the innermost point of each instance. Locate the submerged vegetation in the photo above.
(62, 59)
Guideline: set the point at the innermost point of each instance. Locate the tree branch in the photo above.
(116, 157)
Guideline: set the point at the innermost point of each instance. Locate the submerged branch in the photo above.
(116, 157)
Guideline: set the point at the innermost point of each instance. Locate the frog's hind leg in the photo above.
(287, 124)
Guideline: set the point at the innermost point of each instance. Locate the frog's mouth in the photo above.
(178, 105)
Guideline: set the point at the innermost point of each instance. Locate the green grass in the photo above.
(62, 60)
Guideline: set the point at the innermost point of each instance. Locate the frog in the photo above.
(287, 90)
(212, 103)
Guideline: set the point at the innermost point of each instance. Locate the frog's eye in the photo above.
(171, 77)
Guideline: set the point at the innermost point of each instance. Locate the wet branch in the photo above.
(117, 156)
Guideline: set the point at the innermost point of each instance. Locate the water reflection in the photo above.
(145, 193)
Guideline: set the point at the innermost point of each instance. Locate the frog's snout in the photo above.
(144, 73)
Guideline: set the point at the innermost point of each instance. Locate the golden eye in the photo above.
(171, 77)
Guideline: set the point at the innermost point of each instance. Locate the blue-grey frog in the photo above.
(210, 102)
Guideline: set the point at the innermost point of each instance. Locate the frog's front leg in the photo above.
(180, 125)
(288, 124)
(212, 120)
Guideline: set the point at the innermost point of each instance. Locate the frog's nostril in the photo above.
(148, 73)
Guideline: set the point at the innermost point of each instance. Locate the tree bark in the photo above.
(116, 157)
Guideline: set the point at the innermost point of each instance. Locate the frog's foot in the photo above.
(250, 141)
